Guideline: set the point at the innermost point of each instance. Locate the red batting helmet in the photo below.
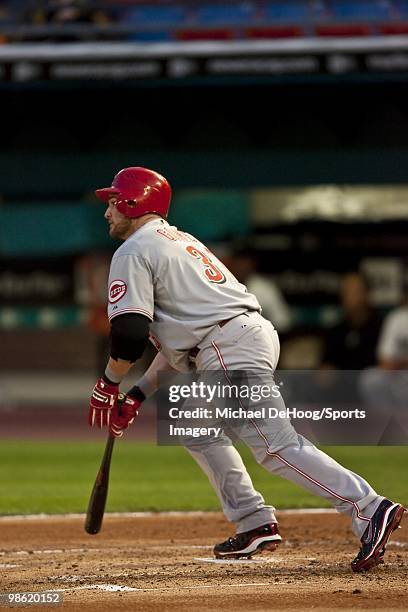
(138, 191)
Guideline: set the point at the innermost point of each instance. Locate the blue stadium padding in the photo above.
(154, 36)
(211, 14)
(370, 10)
(149, 15)
(56, 316)
(402, 6)
(50, 237)
(226, 213)
(286, 11)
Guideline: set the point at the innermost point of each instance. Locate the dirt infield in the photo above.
(159, 563)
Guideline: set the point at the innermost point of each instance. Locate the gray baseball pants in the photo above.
(249, 342)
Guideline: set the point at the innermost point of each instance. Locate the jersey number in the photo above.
(213, 274)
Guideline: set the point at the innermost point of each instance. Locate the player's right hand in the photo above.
(103, 399)
(123, 414)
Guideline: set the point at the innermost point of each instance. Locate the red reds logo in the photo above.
(117, 290)
(155, 342)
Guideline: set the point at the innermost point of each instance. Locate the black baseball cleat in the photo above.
(384, 521)
(249, 543)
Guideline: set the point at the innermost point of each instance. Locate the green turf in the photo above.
(57, 477)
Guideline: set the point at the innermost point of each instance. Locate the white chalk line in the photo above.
(397, 543)
(74, 515)
(81, 515)
(61, 551)
(117, 587)
(88, 587)
(58, 551)
(55, 551)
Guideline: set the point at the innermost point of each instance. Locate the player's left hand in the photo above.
(104, 398)
(123, 414)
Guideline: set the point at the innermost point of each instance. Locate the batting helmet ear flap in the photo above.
(127, 207)
(139, 191)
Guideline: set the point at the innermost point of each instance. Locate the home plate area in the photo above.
(165, 562)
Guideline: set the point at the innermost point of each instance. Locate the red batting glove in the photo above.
(123, 414)
(103, 400)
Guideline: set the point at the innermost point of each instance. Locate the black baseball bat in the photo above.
(97, 500)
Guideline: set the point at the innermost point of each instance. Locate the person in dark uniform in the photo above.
(351, 344)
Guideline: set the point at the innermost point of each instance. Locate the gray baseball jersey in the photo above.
(174, 280)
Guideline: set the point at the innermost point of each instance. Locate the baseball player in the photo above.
(166, 284)
(385, 388)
